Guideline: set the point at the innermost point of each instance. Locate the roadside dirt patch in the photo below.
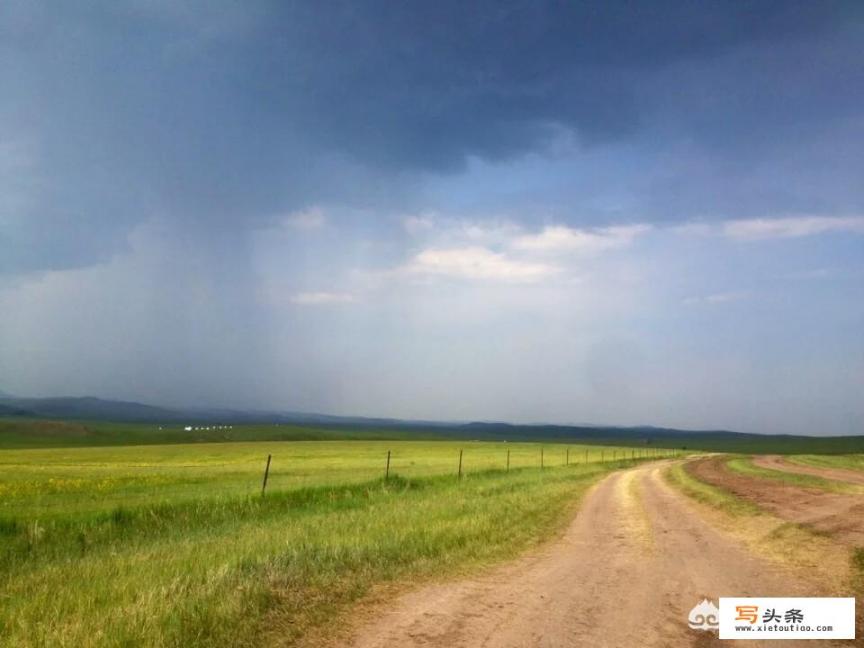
(839, 515)
(601, 585)
(775, 462)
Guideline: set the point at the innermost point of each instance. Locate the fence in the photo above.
(605, 454)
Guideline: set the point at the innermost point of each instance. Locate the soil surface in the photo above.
(775, 462)
(841, 515)
(626, 572)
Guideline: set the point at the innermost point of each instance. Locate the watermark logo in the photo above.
(704, 616)
(748, 613)
(786, 618)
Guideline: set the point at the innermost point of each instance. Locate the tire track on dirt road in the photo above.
(626, 572)
(701, 562)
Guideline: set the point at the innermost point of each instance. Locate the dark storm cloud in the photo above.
(438, 209)
(218, 115)
(426, 84)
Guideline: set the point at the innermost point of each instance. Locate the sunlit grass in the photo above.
(43, 482)
(174, 545)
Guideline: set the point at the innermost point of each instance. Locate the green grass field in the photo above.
(173, 545)
(79, 481)
(19, 432)
(117, 534)
(22, 432)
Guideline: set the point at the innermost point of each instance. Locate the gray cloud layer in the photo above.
(442, 209)
(223, 114)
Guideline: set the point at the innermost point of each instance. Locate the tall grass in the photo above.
(235, 569)
(79, 481)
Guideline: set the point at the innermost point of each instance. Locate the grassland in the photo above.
(19, 432)
(766, 444)
(128, 534)
(173, 545)
(79, 481)
(22, 432)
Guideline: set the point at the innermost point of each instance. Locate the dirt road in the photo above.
(775, 462)
(839, 514)
(627, 571)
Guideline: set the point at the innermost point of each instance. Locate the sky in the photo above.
(605, 212)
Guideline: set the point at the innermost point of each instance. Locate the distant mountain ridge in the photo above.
(84, 409)
(92, 408)
(87, 407)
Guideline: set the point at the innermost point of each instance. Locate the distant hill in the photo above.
(99, 409)
(267, 424)
(88, 408)
(13, 410)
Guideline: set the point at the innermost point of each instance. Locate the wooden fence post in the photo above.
(460, 464)
(508, 460)
(266, 474)
(567, 457)
(541, 458)
(387, 469)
